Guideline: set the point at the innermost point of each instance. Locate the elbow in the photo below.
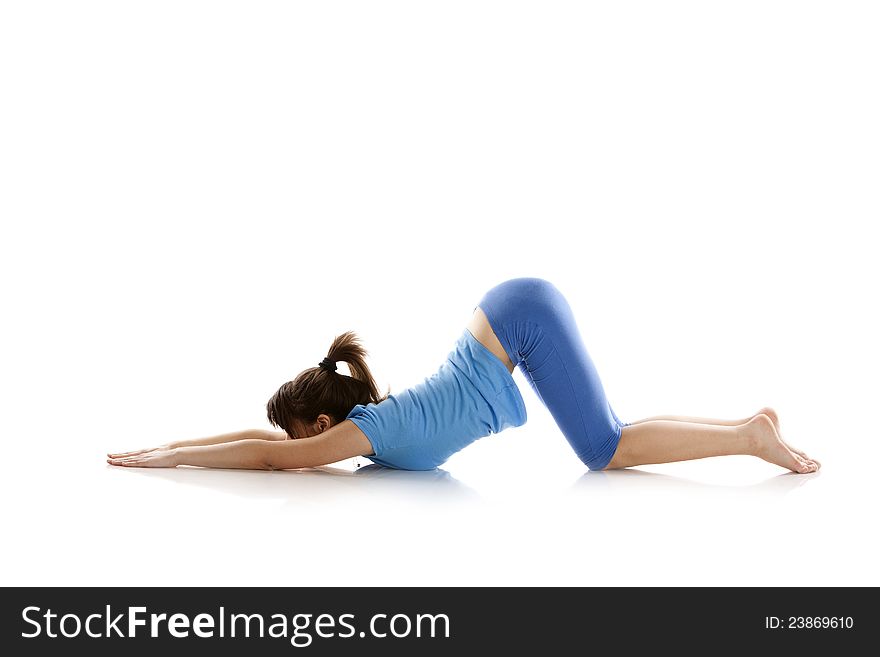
(267, 459)
(279, 464)
(271, 460)
(264, 457)
(286, 455)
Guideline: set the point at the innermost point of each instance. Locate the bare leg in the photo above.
(664, 441)
(769, 412)
(697, 420)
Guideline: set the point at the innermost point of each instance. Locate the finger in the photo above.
(127, 461)
(131, 453)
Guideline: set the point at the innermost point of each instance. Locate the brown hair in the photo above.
(317, 390)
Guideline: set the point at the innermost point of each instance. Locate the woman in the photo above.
(327, 416)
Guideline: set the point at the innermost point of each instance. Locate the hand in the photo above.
(158, 457)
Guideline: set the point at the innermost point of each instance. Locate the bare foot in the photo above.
(770, 447)
(774, 417)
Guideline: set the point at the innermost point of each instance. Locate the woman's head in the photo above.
(319, 397)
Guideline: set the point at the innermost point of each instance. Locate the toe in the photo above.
(802, 464)
(807, 458)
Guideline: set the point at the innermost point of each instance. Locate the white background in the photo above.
(198, 196)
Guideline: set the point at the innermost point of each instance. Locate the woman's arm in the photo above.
(339, 442)
(247, 434)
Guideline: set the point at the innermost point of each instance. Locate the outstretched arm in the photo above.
(339, 442)
(247, 434)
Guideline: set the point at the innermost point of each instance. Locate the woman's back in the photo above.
(470, 396)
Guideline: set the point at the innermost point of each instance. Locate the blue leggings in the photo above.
(538, 331)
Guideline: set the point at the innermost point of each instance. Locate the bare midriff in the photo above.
(481, 329)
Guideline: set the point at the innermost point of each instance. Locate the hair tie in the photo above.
(328, 364)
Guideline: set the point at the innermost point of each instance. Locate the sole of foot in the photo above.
(770, 446)
(774, 418)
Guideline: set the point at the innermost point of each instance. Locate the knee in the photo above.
(593, 461)
(616, 463)
(613, 455)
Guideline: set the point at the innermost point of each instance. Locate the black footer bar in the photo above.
(431, 620)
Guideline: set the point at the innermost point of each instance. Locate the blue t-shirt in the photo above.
(469, 397)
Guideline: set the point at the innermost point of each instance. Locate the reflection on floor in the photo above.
(489, 518)
(632, 479)
(325, 483)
